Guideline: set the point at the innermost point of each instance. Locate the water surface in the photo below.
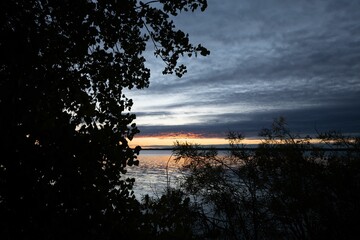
(151, 175)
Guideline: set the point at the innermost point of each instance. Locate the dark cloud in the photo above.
(302, 121)
(298, 59)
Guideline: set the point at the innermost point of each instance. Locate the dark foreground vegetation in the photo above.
(287, 188)
(65, 121)
(65, 124)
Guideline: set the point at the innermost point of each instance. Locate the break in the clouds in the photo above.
(269, 58)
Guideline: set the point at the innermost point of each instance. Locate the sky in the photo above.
(269, 58)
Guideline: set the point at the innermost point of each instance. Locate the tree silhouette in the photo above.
(65, 122)
(286, 188)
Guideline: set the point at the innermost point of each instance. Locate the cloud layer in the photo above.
(299, 59)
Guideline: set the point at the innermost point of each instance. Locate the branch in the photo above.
(148, 3)
(155, 45)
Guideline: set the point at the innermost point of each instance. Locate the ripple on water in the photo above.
(150, 176)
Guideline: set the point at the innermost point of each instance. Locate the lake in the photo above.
(150, 176)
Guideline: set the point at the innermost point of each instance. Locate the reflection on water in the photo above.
(150, 176)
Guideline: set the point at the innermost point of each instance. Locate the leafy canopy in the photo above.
(65, 120)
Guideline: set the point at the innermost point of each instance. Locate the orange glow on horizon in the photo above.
(168, 140)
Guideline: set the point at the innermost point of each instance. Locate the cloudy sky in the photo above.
(269, 58)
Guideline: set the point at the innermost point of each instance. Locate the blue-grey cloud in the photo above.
(298, 59)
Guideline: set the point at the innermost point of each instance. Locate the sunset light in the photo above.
(168, 140)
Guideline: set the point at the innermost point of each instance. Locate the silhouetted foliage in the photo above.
(286, 188)
(171, 216)
(65, 122)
